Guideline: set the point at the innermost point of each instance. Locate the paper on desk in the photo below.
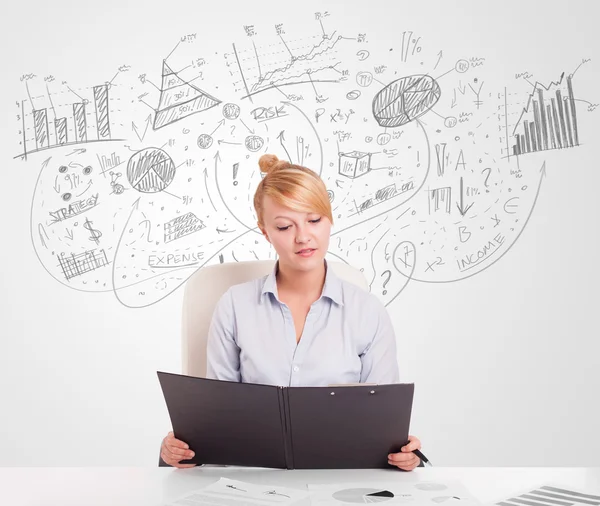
(228, 492)
(551, 495)
(415, 493)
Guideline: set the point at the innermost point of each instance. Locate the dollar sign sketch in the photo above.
(95, 234)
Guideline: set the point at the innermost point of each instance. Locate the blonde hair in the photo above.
(293, 186)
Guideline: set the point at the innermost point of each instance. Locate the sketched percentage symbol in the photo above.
(389, 275)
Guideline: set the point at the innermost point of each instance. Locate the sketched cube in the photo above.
(354, 164)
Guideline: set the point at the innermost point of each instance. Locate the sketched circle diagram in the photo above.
(405, 99)
(231, 111)
(204, 141)
(363, 495)
(254, 142)
(150, 170)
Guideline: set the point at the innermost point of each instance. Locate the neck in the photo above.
(308, 283)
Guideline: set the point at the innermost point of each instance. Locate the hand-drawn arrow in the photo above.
(224, 231)
(440, 54)
(318, 97)
(78, 151)
(277, 88)
(148, 121)
(461, 209)
(217, 158)
(249, 130)
(281, 138)
(453, 104)
(57, 190)
(221, 141)
(69, 233)
(221, 123)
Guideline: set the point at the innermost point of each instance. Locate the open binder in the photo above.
(245, 424)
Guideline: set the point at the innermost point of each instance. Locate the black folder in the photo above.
(246, 424)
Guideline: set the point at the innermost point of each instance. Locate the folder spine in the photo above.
(284, 410)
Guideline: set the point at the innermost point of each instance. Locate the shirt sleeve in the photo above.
(379, 359)
(223, 353)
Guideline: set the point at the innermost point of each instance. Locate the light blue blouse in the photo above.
(348, 337)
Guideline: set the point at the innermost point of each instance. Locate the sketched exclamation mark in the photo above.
(235, 171)
(221, 259)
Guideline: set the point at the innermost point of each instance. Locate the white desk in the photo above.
(153, 486)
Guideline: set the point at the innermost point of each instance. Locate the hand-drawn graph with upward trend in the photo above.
(307, 60)
(79, 122)
(546, 121)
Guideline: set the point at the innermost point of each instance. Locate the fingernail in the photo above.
(187, 446)
(192, 454)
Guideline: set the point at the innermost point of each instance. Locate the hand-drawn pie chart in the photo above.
(150, 170)
(363, 495)
(405, 99)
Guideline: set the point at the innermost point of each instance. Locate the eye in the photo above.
(281, 229)
(315, 221)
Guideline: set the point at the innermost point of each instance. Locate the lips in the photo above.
(306, 251)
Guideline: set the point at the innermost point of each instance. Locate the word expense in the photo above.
(158, 261)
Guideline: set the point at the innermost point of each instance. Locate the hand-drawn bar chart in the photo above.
(51, 130)
(549, 121)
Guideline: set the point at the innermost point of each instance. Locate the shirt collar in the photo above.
(332, 288)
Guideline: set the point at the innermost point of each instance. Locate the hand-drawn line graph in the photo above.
(544, 124)
(179, 99)
(286, 63)
(73, 126)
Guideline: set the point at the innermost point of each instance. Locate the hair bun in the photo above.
(268, 163)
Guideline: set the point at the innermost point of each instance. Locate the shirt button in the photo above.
(296, 368)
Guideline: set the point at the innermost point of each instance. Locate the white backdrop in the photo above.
(130, 136)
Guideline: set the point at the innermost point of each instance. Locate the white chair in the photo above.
(203, 290)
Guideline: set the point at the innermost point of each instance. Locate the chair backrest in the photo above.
(203, 290)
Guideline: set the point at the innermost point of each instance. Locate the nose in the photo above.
(302, 235)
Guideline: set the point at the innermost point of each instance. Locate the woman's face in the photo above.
(300, 239)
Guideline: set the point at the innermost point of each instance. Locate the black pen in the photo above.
(419, 454)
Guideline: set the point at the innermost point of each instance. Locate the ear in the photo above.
(264, 232)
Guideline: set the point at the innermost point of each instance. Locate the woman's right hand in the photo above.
(173, 450)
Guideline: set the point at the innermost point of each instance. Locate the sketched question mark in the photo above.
(232, 129)
(149, 228)
(389, 275)
(488, 176)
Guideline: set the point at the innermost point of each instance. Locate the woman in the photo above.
(315, 329)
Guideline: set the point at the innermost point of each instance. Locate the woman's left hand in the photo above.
(405, 459)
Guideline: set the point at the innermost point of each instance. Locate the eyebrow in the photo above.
(292, 219)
